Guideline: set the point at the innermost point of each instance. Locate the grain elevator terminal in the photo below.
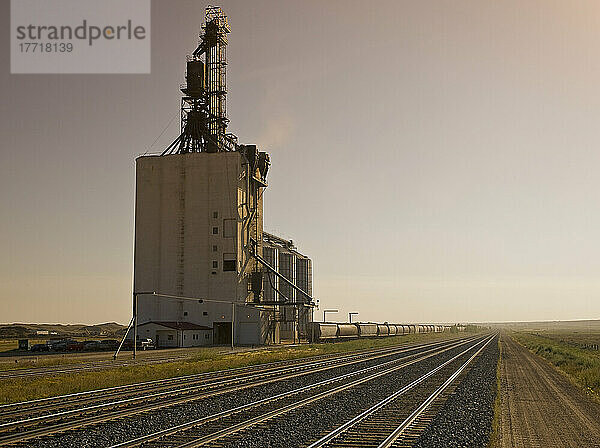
(200, 247)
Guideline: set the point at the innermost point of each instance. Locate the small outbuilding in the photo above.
(175, 334)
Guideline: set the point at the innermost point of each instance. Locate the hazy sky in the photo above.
(438, 160)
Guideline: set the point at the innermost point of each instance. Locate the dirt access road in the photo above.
(540, 407)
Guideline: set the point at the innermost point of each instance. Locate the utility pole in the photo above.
(232, 325)
(297, 324)
(135, 322)
(312, 325)
(135, 317)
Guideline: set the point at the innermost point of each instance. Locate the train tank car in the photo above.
(382, 330)
(330, 331)
(323, 332)
(367, 330)
(347, 331)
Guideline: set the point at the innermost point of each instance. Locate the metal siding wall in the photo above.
(303, 276)
(304, 282)
(298, 269)
(310, 282)
(287, 268)
(271, 255)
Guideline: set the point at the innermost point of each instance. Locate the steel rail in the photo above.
(219, 373)
(131, 389)
(145, 407)
(197, 380)
(82, 367)
(261, 418)
(387, 367)
(381, 404)
(203, 382)
(389, 441)
(187, 388)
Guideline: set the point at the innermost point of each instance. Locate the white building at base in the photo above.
(175, 334)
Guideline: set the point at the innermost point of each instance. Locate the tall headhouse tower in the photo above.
(199, 218)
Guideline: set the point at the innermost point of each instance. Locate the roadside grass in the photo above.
(495, 434)
(206, 360)
(582, 366)
(33, 360)
(52, 359)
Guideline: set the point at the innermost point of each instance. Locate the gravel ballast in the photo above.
(110, 433)
(308, 424)
(465, 419)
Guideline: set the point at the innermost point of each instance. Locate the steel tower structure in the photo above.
(204, 103)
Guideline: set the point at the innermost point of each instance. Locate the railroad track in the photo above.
(221, 429)
(25, 421)
(84, 367)
(28, 409)
(399, 419)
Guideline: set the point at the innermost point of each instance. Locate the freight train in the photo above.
(332, 331)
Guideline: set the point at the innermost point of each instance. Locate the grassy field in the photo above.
(572, 352)
(207, 360)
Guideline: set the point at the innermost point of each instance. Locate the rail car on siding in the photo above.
(332, 331)
(323, 332)
(367, 330)
(348, 331)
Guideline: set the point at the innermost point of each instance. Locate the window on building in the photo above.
(185, 313)
(229, 262)
(215, 230)
(215, 215)
(184, 336)
(229, 228)
(215, 264)
(229, 265)
(170, 337)
(205, 313)
(215, 248)
(206, 336)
